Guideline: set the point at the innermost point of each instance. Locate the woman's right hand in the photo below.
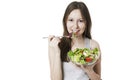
(54, 58)
(53, 44)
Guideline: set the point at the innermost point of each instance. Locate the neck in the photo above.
(79, 39)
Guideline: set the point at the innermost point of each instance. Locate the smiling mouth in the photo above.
(76, 31)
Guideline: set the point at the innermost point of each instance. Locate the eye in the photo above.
(81, 20)
(70, 19)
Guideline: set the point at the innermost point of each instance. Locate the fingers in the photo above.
(53, 41)
(98, 61)
(82, 66)
(50, 37)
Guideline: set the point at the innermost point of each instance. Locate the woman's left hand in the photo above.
(88, 68)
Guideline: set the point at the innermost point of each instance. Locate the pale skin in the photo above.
(75, 23)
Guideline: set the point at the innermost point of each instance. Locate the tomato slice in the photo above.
(87, 59)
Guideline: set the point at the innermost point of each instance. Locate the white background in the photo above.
(23, 23)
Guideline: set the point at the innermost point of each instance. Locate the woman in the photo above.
(76, 20)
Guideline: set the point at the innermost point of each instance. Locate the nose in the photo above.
(75, 26)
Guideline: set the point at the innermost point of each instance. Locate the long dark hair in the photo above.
(65, 44)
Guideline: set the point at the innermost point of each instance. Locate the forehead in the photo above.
(76, 13)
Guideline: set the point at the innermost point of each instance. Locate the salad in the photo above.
(84, 56)
(74, 34)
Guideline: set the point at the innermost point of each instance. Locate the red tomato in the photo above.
(88, 59)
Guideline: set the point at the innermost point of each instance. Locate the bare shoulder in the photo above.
(94, 44)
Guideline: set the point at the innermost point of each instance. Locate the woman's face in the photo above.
(75, 22)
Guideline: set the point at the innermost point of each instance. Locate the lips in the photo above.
(74, 33)
(77, 31)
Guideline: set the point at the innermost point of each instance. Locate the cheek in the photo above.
(82, 28)
(69, 26)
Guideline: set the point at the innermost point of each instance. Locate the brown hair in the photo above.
(65, 44)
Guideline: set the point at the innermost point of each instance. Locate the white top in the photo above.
(73, 72)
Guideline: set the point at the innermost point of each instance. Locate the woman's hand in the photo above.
(53, 43)
(86, 68)
(54, 58)
(89, 70)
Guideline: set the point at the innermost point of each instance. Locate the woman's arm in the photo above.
(94, 71)
(54, 59)
(97, 68)
(89, 69)
(55, 66)
(93, 75)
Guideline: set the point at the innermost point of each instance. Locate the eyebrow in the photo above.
(71, 18)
